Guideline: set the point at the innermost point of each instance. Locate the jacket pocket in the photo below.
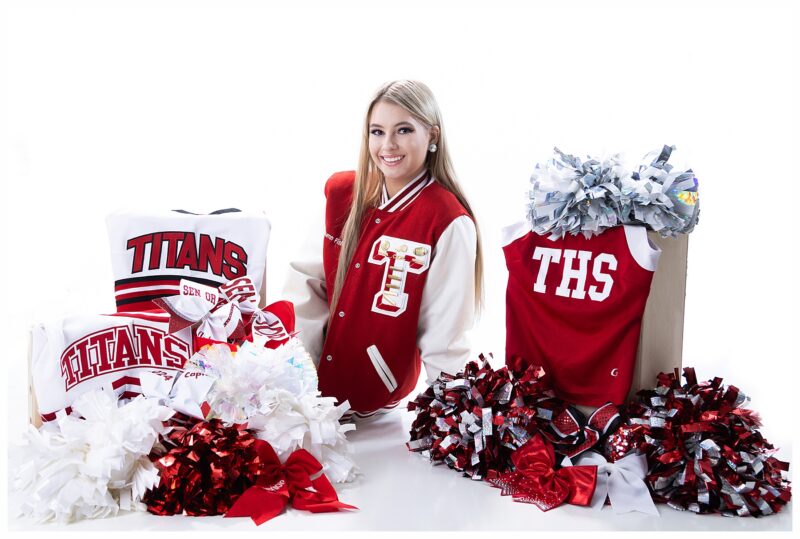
(384, 373)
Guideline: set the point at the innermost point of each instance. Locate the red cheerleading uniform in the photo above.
(575, 305)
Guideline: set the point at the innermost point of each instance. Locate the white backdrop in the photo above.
(198, 106)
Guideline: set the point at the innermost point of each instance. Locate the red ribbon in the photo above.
(279, 484)
(535, 481)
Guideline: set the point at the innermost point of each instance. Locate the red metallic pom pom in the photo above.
(204, 468)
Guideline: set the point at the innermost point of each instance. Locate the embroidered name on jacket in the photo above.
(399, 258)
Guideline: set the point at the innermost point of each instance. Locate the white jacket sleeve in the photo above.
(305, 288)
(448, 300)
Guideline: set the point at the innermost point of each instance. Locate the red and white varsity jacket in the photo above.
(575, 307)
(408, 297)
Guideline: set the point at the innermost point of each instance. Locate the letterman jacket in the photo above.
(408, 297)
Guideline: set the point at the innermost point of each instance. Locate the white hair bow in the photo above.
(622, 482)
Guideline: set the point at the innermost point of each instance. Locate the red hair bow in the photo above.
(535, 481)
(279, 484)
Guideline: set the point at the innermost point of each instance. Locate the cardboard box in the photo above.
(661, 340)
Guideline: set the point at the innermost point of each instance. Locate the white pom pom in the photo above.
(90, 467)
(275, 392)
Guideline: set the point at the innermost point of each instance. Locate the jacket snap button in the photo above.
(341, 314)
(329, 357)
(358, 265)
(378, 220)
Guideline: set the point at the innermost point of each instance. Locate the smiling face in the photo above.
(398, 142)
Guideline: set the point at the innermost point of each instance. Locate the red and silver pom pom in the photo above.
(704, 449)
(475, 420)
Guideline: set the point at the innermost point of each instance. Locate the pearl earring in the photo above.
(432, 148)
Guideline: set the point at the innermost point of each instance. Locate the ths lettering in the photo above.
(574, 269)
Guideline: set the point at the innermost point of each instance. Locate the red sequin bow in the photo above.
(571, 433)
(535, 481)
(279, 484)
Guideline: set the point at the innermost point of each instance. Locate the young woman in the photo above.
(398, 279)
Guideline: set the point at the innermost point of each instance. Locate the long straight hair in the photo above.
(418, 100)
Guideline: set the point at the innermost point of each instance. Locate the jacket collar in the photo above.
(406, 195)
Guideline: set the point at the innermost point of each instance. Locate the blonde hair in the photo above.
(418, 100)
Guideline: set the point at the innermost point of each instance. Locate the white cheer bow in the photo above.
(622, 482)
